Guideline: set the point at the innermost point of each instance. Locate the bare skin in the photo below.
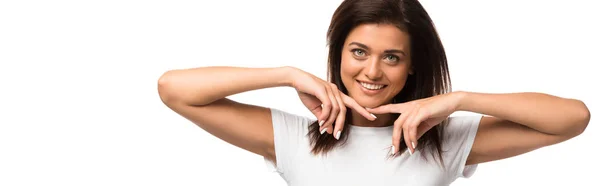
(366, 57)
(516, 123)
(199, 95)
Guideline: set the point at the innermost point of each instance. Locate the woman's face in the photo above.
(375, 63)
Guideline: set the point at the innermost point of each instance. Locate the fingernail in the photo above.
(393, 150)
(409, 151)
(337, 136)
(413, 145)
(374, 116)
(321, 122)
(323, 131)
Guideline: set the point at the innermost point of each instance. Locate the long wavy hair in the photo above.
(431, 76)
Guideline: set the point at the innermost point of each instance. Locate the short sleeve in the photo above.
(289, 131)
(458, 139)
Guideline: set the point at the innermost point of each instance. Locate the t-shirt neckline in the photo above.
(371, 129)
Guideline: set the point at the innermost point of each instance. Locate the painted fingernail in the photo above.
(323, 131)
(374, 116)
(409, 151)
(321, 122)
(413, 145)
(337, 136)
(393, 150)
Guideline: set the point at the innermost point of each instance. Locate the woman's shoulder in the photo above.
(460, 127)
(458, 138)
(458, 121)
(288, 119)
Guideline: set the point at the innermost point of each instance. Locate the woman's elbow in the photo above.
(165, 86)
(582, 118)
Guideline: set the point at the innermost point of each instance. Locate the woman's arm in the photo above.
(521, 122)
(202, 86)
(199, 95)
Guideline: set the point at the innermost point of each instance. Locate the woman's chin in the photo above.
(368, 103)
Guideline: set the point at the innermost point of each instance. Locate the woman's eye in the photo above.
(359, 53)
(391, 58)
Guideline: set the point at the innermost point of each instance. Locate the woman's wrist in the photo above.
(460, 97)
(287, 75)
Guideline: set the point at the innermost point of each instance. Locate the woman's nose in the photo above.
(372, 70)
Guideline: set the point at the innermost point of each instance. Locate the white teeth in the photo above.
(371, 86)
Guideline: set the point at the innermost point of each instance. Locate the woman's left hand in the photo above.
(417, 117)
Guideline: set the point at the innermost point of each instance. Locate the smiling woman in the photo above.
(357, 54)
(383, 114)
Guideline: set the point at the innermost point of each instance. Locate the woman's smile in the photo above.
(370, 89)
(375, 63)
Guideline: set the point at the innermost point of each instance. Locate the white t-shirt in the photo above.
(363, 159)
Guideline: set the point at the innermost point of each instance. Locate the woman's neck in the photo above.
(382, 120)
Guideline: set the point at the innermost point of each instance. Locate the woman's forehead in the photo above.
(379, 37)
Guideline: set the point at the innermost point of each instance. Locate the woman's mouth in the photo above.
(369, 88)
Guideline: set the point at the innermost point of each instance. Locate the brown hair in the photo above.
(431, 76)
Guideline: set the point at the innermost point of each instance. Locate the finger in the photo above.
(339, 122)
(396, 136)
(397, 132)
(327, 126)
(325, 107)
(405, 129)
(389, 108)
(318, 112)
(407, 126)
(414, 124)
(336, 108)
(351, 103)
(424, 127)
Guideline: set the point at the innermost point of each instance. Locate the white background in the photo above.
(79, 104)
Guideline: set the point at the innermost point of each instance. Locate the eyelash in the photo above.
(396, 58)
(357, 50)
(363, 52)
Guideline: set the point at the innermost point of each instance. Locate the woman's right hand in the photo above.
(325, 101)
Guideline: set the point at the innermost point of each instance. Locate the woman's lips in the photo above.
(369, 92)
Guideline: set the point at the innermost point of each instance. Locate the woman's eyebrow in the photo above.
(386, 51)
(360, 45)
(394, 51)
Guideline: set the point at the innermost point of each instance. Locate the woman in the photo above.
(382, 118)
